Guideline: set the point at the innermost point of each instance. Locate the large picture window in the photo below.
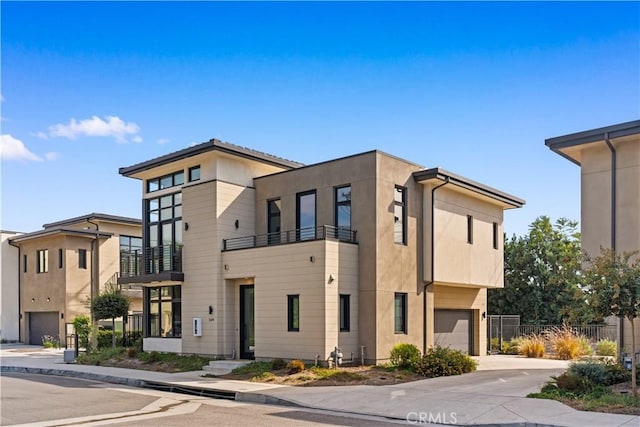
(130, 255)
(164, 233)
(164, 311)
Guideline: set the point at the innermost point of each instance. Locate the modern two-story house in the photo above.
(67, 262)
(609, 160)
(248, 255)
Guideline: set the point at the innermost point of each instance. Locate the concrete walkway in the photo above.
(494, 395)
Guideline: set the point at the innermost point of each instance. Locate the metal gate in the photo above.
(502, 328)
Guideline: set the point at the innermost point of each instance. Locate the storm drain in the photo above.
(193, 391)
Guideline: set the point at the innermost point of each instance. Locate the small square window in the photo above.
(194, 173)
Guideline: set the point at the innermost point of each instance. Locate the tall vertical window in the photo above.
(343, 212)
(306, 215)
(42, 261)
(273, 221)
(194, 173)
(164, 311)
(130, 255)
(164, 233)
(495, 235)
(60, 258)
(82, 258)
(400, 313)
(293, 313)
(400, 215)
(469, 229)
(24, 263)
(345, 313)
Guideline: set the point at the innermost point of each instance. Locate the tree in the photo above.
(541, 276)
(613, 283)
(82, 326)
(109, 305)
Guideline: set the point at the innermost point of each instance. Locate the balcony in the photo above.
(321, 232)
(156, 264)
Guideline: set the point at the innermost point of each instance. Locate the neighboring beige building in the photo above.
(609, 160)
(8, 288)
(249, 255)
(65, 264)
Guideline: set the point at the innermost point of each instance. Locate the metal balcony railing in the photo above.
(151, 260)
(321, 232)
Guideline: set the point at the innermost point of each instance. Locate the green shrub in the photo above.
(278, 364)
(49, 341)
(105, 337)
(405, 356)
(585, 346)
(532, 346)
(617, 373)
(295, 366)
(83, 327)
(574, 383)
(595, 372)
(444, 361)
(607, 348)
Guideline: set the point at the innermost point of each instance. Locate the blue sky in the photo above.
(474, 88)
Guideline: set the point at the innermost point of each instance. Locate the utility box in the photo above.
(197, 326)
(69, 355)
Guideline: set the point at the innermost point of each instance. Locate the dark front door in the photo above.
(247, 324)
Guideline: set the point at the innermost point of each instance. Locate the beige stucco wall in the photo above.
(278, 271)
(9, 314)
(456, 261)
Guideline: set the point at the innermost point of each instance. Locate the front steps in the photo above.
(223, 367)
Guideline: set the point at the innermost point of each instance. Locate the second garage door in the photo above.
(453, 328)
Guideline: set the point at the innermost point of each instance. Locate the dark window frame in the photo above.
(174, 300)
(495, 235)
(190, 173)
(342, 232)
(274, 235)
(470, 229)
(400, 319)
(344, 313)
(403, 206)
(60, 258)
(82, 259)
(308, 234)
(293, 317)
(158, 181)
(24, 263)
(42, 261)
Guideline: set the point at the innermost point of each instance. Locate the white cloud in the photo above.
(40, 135)
(13, 149)
(52, 156)
(137, 139)
(163, 141)
(113, 127)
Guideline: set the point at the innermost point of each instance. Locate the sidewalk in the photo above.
(487, 397)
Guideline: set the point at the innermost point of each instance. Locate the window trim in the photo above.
(158, 181)
(403, 206)
(344, 312)
(470, 229)
(315, 214)
(403, 307)
(292, 319)
(336, 207)
(176, 318)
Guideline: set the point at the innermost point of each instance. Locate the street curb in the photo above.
(85, 375)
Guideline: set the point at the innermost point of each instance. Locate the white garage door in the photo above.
(453, 328)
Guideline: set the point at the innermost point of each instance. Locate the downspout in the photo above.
(613, 224)
(95, 280)
(20, 317)
(433, 265)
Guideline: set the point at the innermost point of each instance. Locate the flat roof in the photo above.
(558, 143)
(54, 231)
(211, 145)
(444, 175)
(94, 216)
